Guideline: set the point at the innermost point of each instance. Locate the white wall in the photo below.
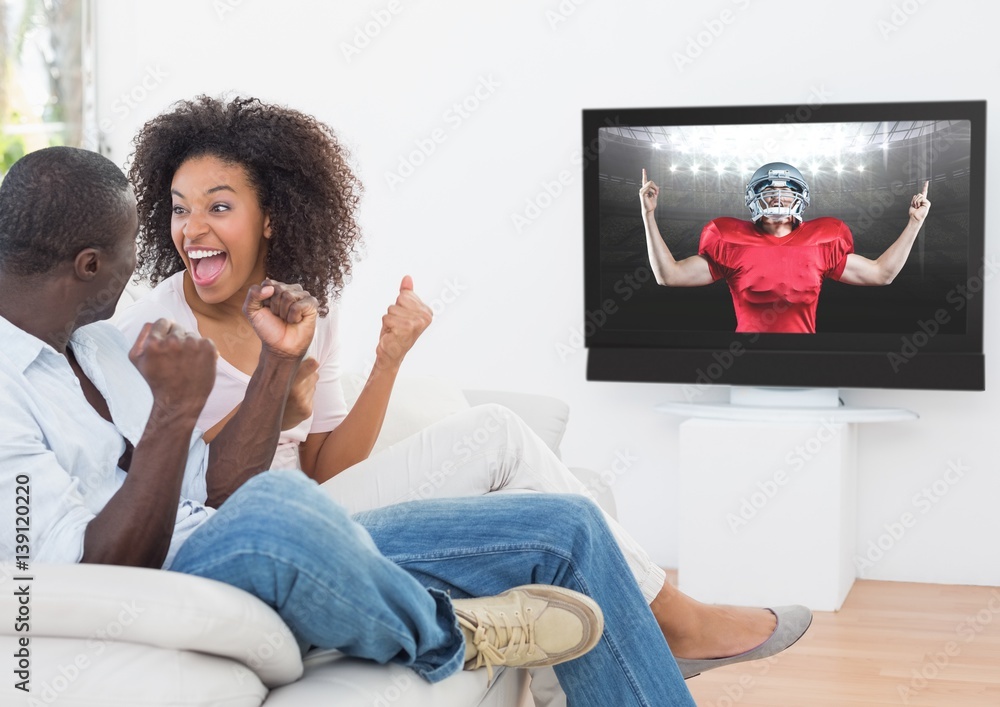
(520, 293)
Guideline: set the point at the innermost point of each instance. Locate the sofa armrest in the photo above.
(154, 608)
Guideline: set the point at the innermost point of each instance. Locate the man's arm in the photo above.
(882, 271)
(284, 317)
(136, 525)
(692, 271)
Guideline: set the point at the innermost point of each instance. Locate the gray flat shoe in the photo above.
(793, 622)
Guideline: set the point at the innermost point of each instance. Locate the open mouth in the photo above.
(206, 265)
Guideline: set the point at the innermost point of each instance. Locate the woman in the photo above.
(232, 193)
(776, 291)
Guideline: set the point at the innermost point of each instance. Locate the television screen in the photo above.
(832, 245)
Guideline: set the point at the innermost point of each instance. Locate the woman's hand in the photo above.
(402, 324)
(299, 405)
(647, 194)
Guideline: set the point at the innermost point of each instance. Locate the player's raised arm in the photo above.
(883, 270)
(689, 272)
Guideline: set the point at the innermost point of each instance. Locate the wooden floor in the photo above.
(892, 643)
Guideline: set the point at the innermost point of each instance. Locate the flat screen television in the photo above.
(796, 307)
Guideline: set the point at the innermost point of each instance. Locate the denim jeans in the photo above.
(485, 449)
(377, 587)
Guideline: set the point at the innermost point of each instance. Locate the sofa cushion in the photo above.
(99, 672)
(361, 683)
(415, 403)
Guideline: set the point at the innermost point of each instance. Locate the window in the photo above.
(44, 88)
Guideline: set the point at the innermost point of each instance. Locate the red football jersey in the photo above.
(775, 282)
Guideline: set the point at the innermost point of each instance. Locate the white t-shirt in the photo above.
(167, 301)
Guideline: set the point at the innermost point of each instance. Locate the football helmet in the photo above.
(777, 190)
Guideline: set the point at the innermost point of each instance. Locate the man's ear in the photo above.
(267, 226)
(87, 264)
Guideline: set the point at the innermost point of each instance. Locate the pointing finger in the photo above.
(406, 284)
(926, 184)
(644, 180)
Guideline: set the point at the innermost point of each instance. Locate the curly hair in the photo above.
(295, 164)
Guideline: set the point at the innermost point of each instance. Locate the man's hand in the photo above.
(178, 366)
(648, 193)
(404, 322)
(283, 317)
(919, 205)
(299, 405)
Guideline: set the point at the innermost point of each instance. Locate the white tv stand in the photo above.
(768, 496)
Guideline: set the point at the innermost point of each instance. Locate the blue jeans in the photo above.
(376, 588)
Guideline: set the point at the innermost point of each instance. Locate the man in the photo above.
(776, 262)
(118, 474)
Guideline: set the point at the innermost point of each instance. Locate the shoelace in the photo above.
(507, 639)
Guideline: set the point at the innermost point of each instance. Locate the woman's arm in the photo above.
(883, 270)
(689, 272)
(324, 455)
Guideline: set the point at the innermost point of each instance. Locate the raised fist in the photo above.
(178, 366)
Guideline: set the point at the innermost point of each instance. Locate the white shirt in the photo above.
(167, 301)
(51, 435)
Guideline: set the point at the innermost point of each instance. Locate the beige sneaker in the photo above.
(527, 627)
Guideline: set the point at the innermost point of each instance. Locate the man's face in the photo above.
(778, 196)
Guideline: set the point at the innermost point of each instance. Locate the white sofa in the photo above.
(104, 636)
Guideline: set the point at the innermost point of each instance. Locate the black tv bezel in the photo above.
(952, 362)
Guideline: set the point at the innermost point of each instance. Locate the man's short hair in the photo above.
(54, 203)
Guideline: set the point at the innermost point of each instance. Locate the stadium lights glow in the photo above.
(673, 168)
(839, 168)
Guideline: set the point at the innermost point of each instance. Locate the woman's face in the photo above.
(218, 227)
